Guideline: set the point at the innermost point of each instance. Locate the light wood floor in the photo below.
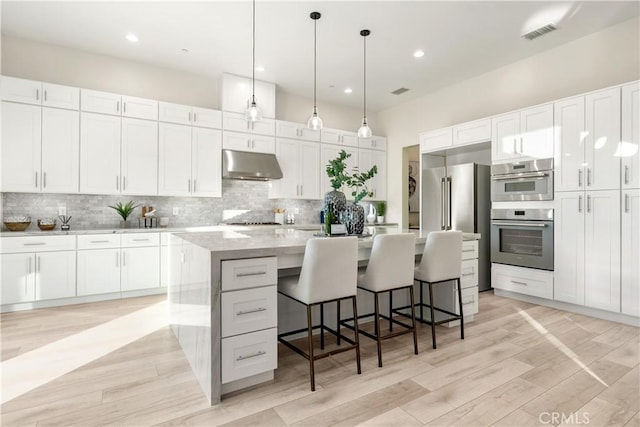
(520, 365)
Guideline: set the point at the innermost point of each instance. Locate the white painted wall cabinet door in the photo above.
(21, 90)
(602, 123)
(506, 132)
(17, 278)
(21, 147)
(99, 154)
(602, 250)
(139, 108)
(60, 150)
(536, 132)
(630, 145)
(569, 247)
(288, 156)
(206, 162)
(569, 147)
(60, 96)
(309, 166)
(436, 139)
(139, 157)
(175, 160)
(630, 274)
(100, 102)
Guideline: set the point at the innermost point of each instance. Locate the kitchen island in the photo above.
(222, 300)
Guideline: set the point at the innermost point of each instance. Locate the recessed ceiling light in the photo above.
(348, 90)
(418, 53)
(260, 68)
(132, 38)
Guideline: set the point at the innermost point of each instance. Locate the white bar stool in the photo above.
(329, 274)
(390, 268)
(441, 263)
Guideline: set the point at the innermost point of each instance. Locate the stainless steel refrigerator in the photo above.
(459, 198)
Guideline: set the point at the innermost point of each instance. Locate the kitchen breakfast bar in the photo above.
(224, 306)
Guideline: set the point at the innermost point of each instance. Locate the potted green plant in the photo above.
(354, 213)
(335, 200)
(381, 208)
(124, 210)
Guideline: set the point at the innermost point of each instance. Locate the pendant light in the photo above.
(365, 130)
(253, 113)
(314, 122)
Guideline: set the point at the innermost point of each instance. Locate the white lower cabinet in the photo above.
(568, 251)
(37, 268)
(110, 263)
(528, 281)
(630, 274)
(249, 320)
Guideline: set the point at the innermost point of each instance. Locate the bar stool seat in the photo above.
(390, 268)
(328, 274)
(440, 263)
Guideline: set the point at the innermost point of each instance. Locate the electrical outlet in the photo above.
(176, 211)
(62, 210)
(296, 211)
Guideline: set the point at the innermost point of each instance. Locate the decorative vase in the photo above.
(353, 218)
(336, 199)
(371, 218)
(380, 219)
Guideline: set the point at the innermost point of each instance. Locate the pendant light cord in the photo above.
(315, 43)
(365, 77)
(253, 75)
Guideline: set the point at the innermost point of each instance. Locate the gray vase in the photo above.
(336, 199)
(353, 218)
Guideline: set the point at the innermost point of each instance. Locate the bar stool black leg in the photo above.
(461, 313)
(310, 338)
(322, 326)
(413, 321)
(391, 310)
(355, 331)
(433, 316)
(377, 320)
(420, 282)
(338, 322)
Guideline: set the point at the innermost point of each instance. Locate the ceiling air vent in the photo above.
(400, 91)
(540, 32)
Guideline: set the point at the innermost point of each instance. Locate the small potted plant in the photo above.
(339, 176)
(381, 208)
(358, 184)
(124, 211)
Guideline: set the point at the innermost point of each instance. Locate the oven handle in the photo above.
(519, 224)
(537, 175)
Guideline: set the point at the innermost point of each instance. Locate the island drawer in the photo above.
(469, 273)
(529, 281)
(249, 273)
(249, 354)
(469, 249)
(249, 310)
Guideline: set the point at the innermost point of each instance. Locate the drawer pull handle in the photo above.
(35, 244)
(260, 273)
(99, 241)
(468, 274)
(259, 353)
(468, 250)
(140, 240)
(518, 283)
(256, 310)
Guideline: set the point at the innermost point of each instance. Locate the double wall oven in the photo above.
(523, 237)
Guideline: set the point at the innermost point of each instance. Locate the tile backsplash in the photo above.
(247, 200)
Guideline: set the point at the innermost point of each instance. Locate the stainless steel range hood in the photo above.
(250, 166)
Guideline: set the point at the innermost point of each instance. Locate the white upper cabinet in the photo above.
(188, 115)
(296, 131)
(523, 135)
(630, 144)
(378, 184)
(340, 137)
(472, 132)
(40, 149)
(206, 162)
(436, 139)
(236, 122)
(139, 154)
(602, 125)
(100, 154)
(248, 142)
(375, 143)
(38, 93)
(236, 91)
(300, 164)
(111, 103)
(630, 274)
(569, 146)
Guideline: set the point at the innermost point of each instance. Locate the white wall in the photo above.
(596, 61)
(56, 64)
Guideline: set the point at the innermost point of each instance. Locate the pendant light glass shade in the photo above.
(314, 122)
(253, 113)
(364, 131)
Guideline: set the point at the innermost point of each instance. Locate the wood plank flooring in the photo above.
(520, 365)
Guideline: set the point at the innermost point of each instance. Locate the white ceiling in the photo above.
(461, 39)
